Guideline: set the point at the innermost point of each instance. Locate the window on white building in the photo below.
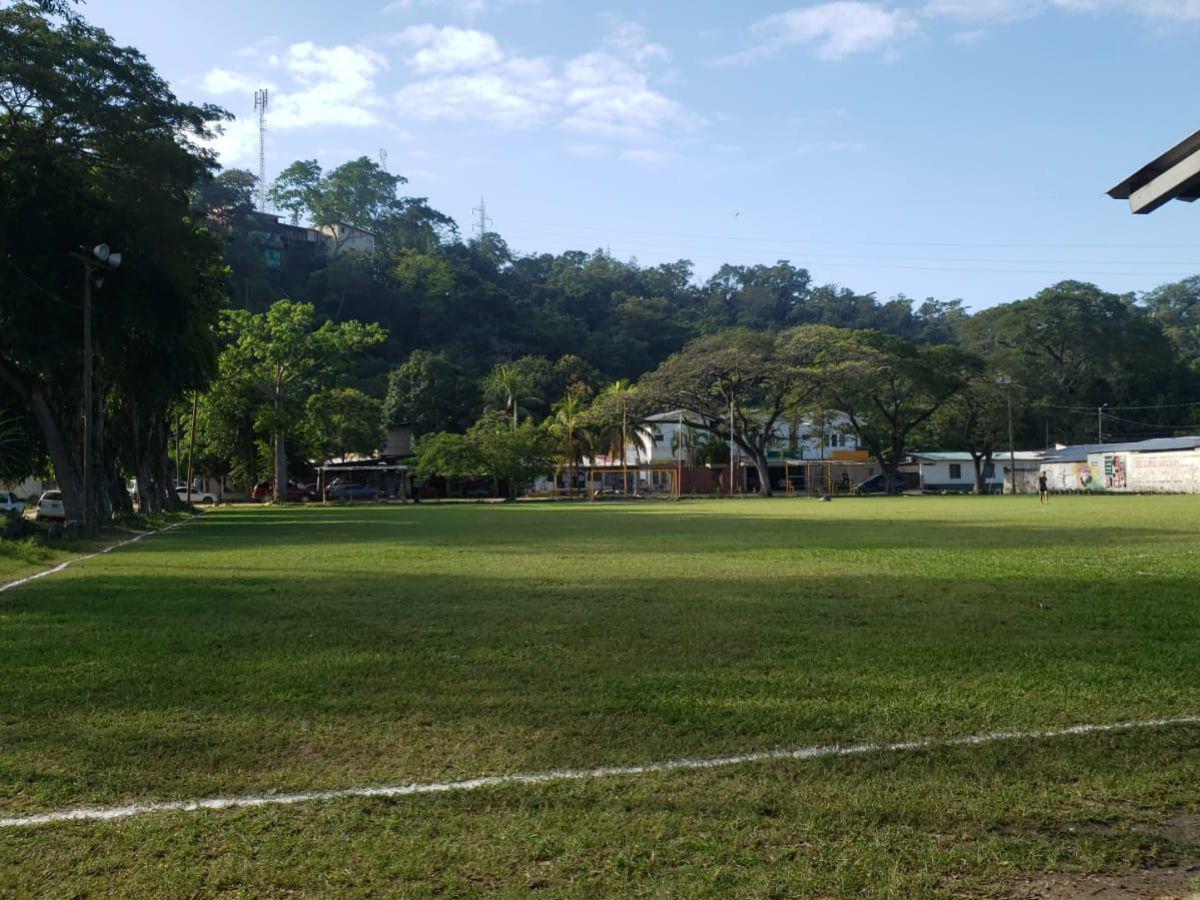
(955, 471)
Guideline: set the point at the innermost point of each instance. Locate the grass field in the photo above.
(308, 648)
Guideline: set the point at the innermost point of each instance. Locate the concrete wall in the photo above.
(1128, 473)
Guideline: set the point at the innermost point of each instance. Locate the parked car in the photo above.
(264, 490)
(50, 506)
(347, 491)
(10, 503)
(878, 485)
(197, 496)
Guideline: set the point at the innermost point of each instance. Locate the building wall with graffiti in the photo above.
(1127, 473)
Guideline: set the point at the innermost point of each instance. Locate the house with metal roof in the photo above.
(955, 471)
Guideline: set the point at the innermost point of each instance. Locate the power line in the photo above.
(854, 242)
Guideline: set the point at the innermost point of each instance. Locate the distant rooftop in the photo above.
(1079, 452)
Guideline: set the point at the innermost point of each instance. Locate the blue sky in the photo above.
(946, 148)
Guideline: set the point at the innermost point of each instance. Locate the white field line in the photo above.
(54, 570)
(110, 813)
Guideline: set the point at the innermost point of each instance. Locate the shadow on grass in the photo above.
(608, 531)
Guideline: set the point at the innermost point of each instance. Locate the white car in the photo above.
(50, 506)
(198, 496)
(10, 503)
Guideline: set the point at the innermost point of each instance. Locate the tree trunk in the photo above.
(977, 461)
(281, 472)
(764, 474)
(67, 472)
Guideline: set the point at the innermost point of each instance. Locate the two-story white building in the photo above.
(811, 454)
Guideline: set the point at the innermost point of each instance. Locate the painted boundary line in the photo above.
(111, 813)
(54, 570)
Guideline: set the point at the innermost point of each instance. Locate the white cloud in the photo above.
(835, 30)
(325, 86)
(604, 94)
(223, 81)
(465, 8)
(1008, 10)
(518, 93)
(448, 49)
(650, 156)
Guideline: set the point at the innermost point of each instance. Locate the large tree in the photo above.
(741, 379)
(976, 420)
(887, 387)
(282, 356)
(95, 148)
(1074, 349)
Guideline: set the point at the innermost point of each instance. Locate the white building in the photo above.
(956, 471)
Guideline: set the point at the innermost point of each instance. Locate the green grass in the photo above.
(261, 649)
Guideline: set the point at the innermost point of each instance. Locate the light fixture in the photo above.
(102, 252)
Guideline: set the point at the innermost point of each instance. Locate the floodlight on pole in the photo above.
(100, 257)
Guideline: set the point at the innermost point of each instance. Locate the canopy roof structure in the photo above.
(1173, 176)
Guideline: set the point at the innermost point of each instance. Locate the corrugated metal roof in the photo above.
(1189, 190)
(963, 456)
(1079, 453)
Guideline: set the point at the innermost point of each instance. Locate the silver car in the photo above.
(50, 506)
(10, 503)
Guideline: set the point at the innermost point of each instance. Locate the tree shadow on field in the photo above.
(631, 534)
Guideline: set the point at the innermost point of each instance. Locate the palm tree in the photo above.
(568, 413)
(506, 385)
(616, 424)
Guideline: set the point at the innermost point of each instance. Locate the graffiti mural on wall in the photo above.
(1115, 469)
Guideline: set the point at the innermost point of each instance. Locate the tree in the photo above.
(359, 193)
(95, 147)
(282, 355)
(887, 387)
(741, 378)
(511, 454)
(566, 428)
(1075, 348)
(445, 454)
(296, 188)
(342, 421)
(975, 419)
(508, 386)
(430, 392)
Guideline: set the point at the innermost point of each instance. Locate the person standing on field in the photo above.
(1043, 489)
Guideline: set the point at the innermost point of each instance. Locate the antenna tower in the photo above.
(260, 107)
(484, 223)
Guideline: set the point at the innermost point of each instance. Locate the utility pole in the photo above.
(679, 451)
(192, 444)
(731, 463)
(1100, 423)
(383, 158)
(624, 443)
(87, 394)
(1006, 382)
(93, 258)
(261, 99)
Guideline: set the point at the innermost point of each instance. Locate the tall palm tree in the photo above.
(618, 424)
(507, 386)
(567, 425)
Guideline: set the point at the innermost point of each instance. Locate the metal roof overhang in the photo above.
(1173, 176)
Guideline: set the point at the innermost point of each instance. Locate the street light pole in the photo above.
(87, 393)
(93, 258)
(1006, 382)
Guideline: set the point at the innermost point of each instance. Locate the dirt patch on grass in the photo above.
(1173, 882)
